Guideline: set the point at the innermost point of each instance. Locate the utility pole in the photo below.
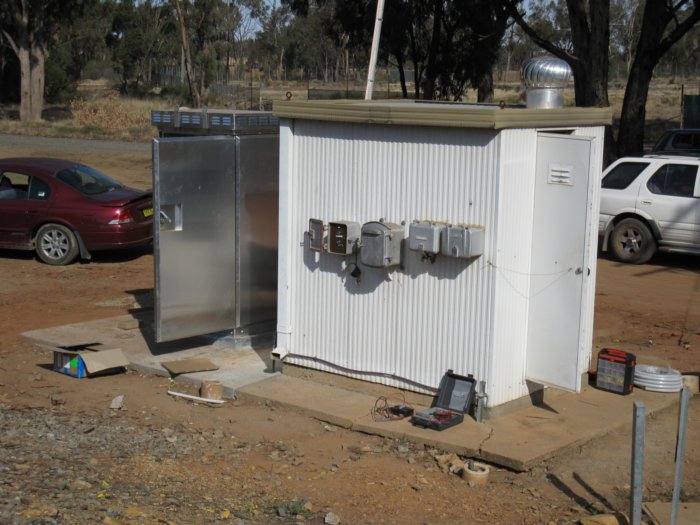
(375, 50)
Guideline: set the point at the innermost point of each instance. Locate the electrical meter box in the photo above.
(425, 237)
(462, 241)
(343, 237)
(381, 244)
(317, 235)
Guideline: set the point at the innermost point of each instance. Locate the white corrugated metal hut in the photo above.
(517, 316)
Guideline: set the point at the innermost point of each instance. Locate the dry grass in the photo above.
(120, 118)
(102, 114)
(108, 117)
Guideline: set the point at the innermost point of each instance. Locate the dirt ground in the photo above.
(249, 463)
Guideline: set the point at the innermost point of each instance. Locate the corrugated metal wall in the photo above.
(406, 327)
(415, 323)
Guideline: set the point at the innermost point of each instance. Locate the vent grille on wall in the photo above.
(561, 174)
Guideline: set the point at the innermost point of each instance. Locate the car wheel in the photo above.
(56, 244)
(633, 242)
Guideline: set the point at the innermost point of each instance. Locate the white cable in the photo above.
(196, 398)
(657, 379)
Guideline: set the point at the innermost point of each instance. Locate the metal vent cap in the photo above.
(546, 72)
(545, 79)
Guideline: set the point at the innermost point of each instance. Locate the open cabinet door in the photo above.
(194, 187)
(558, 260)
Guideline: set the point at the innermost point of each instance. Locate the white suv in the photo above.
(650, 203)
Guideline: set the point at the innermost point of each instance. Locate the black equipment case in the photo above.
(455, 396)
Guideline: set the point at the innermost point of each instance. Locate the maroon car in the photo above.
(62, 209)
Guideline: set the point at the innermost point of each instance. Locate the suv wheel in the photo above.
(633, 242)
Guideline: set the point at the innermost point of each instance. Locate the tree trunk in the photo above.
(431, 70)
(655, 39)
(25, 86)
(32, 57)
(630, 139)
(402, 76)
(590, 64)
(196, 99)
(280, 68)
(36, 93)
(484, 91)
(31, 83)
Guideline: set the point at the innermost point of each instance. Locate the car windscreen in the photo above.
(623, 174)
(88, 180)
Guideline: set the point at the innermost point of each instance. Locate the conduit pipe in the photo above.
(657, 379)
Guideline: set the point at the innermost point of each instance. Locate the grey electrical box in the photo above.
(381, 244)
(343, 237)
(462, 241)
(317, 237)
(425, 237)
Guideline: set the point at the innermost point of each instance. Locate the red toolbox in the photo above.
(615, 371)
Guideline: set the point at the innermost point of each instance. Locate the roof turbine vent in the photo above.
(545, 79)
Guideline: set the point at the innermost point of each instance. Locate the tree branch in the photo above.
(680, 30)
(511, 7)
(10, 40)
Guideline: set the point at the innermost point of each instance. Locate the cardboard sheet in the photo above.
(184, 366)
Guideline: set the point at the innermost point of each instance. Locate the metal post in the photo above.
(682, 105)
(375, 49)
(637, 483)
(480, 401)
(680, 452)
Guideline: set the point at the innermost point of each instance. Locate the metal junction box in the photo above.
(343, 237)
(425, 237)
(381, 244)
(215, 188)
(317, 235)
(463, 241)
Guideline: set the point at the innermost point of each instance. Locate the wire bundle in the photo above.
(657, 379)
(382, 410)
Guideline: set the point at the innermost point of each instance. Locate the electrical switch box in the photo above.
(381, 244)
(425, 237)
(317, 235)
(343, 237)
(462, 241)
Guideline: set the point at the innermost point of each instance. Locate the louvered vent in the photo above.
(561, 174)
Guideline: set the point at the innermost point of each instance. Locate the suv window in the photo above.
(674, 179)
(623, 174)
(685, 142)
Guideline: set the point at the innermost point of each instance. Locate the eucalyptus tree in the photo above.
(662, 23)
(28, 28)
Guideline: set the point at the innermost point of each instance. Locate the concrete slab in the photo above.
(240, 360)
(660, 512)
(518, 440)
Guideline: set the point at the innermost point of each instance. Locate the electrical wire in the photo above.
(382, 410)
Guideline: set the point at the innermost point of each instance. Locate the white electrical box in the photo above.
(381, 244)
(343, 236)
(425, 236)
(317, 235)
(462, 241)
